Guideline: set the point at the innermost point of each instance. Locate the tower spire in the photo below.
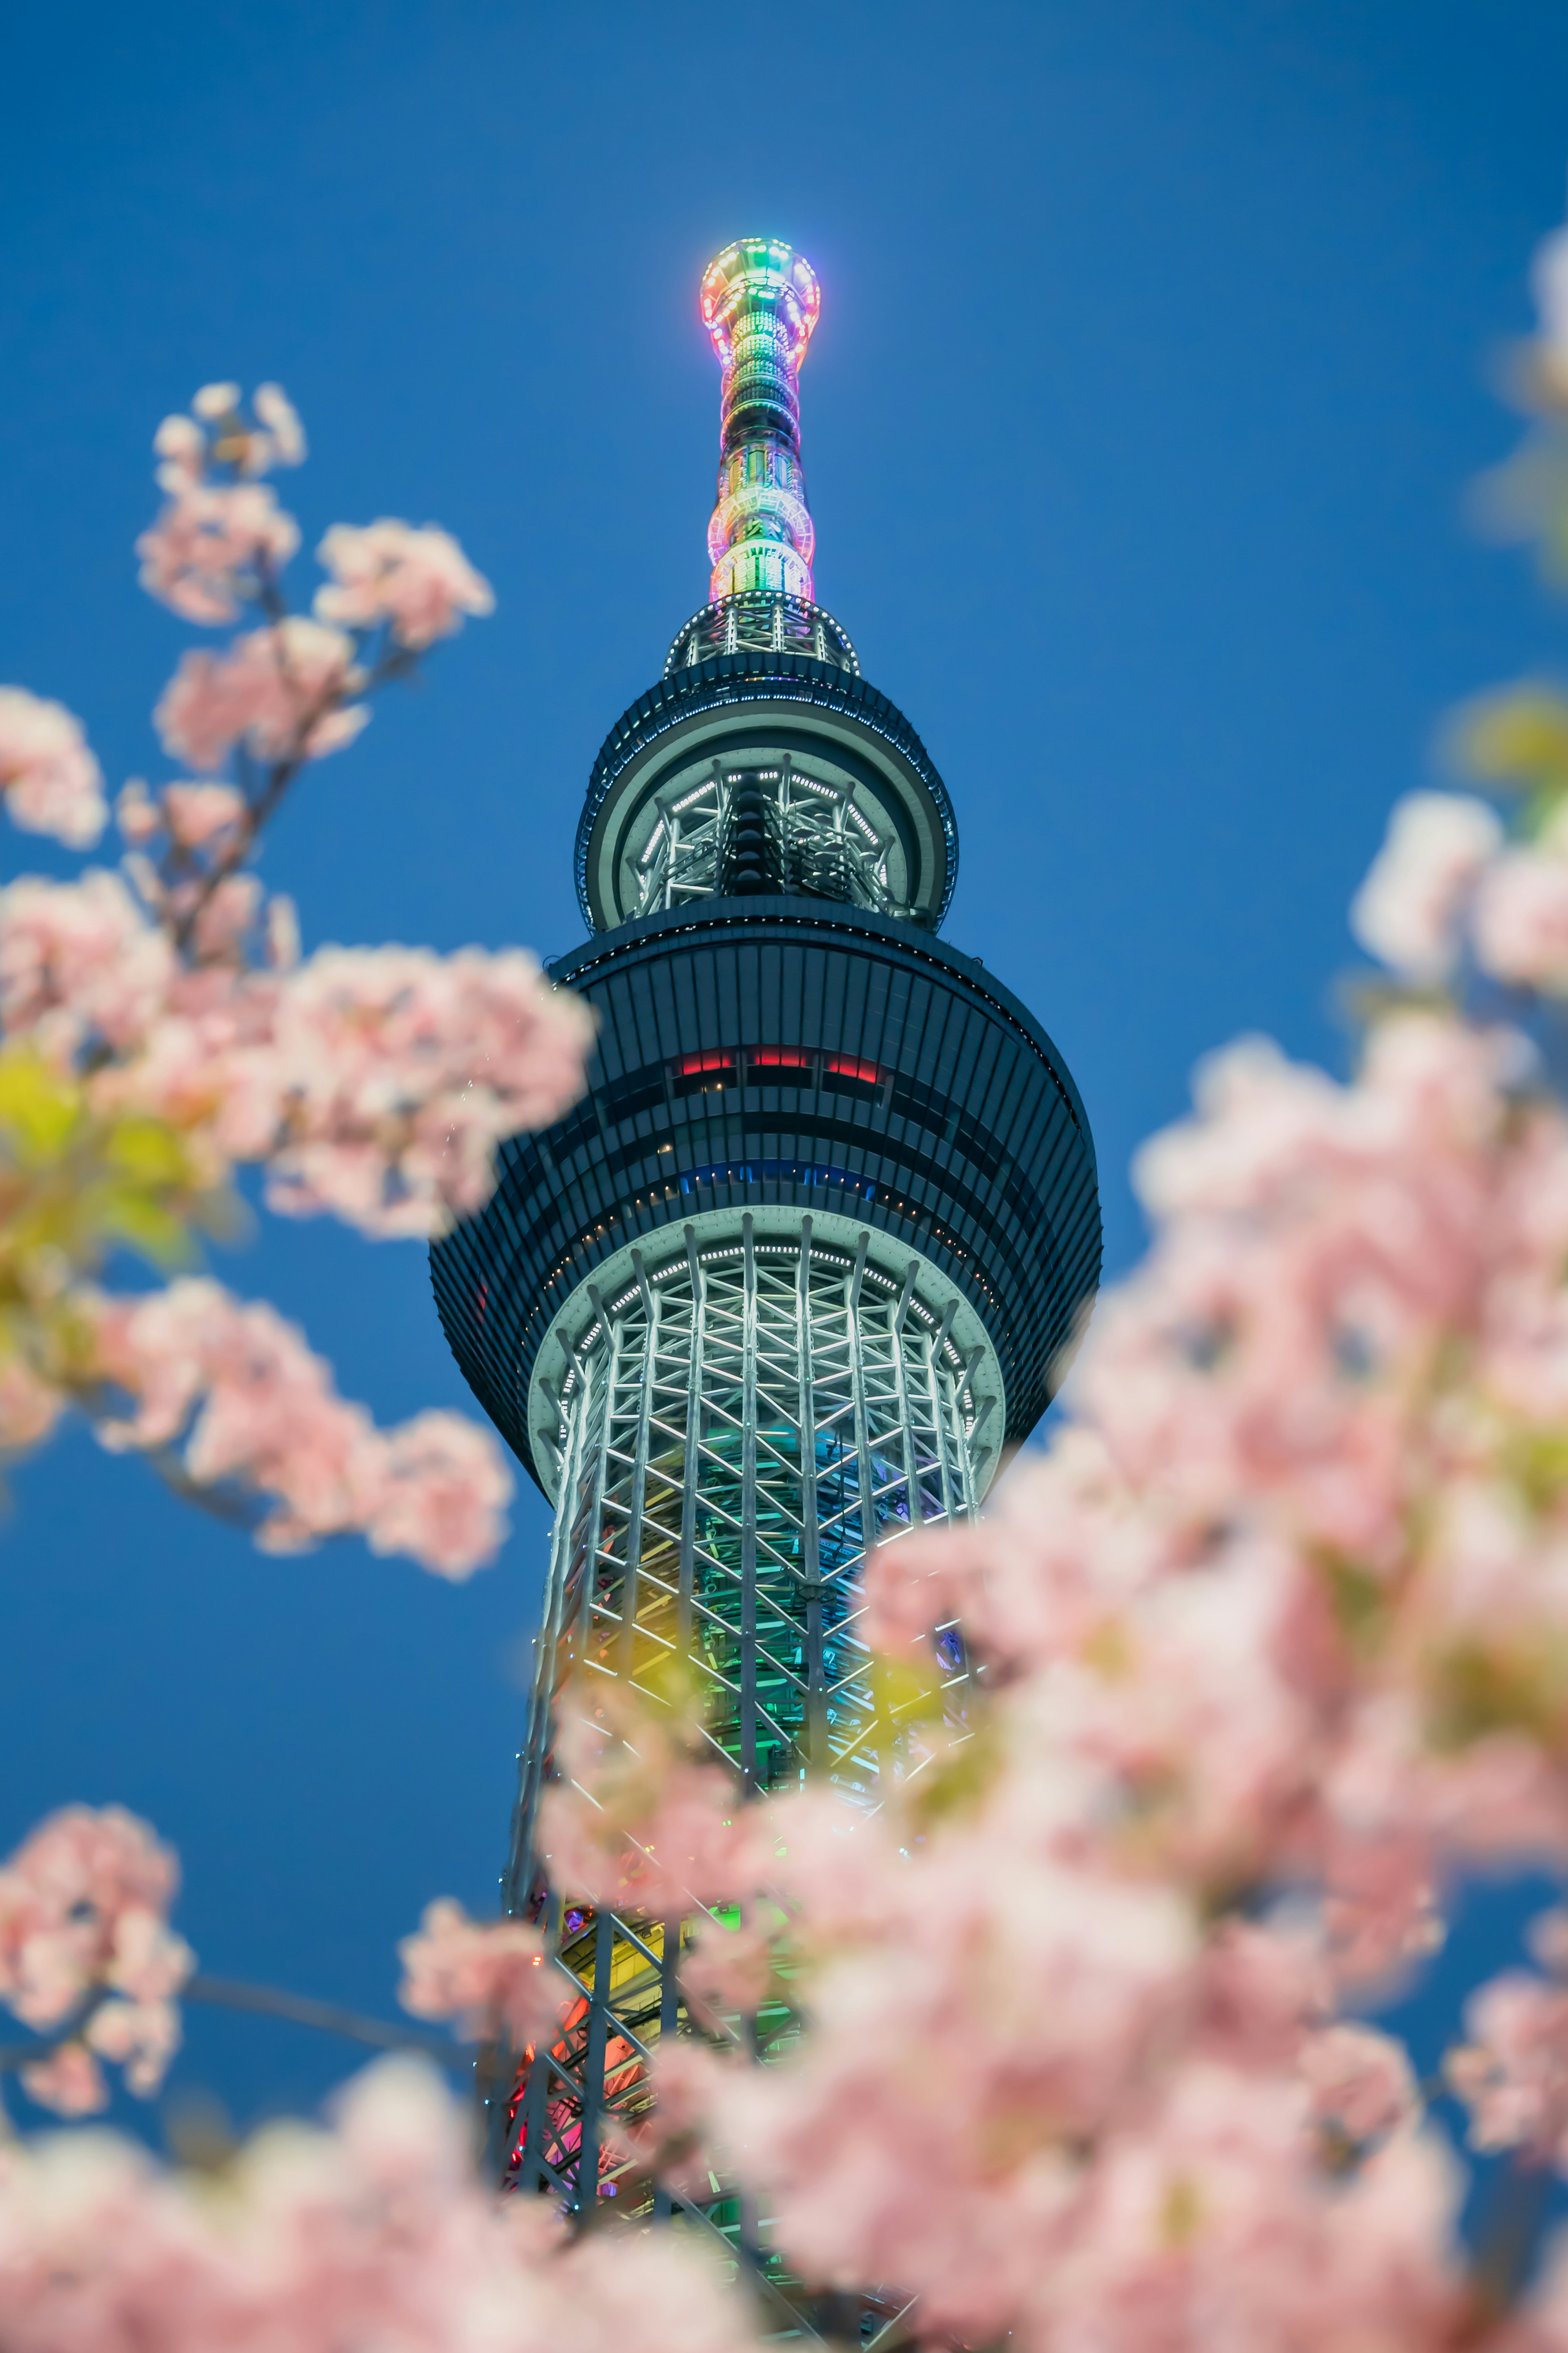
(759, 302)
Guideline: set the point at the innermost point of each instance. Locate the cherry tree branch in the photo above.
(324, 2017)
(260, 2001)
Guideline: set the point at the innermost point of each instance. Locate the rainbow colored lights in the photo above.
(759, 302)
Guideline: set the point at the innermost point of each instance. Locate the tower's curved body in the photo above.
(809, 1254)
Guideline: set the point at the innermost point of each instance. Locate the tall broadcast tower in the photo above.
(804, 1260)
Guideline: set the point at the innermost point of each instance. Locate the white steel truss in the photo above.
(822, 844)
(739, 1428)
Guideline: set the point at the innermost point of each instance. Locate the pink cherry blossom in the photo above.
(281, 419)
(137, 817)
(83, 1909)
(636, 1820)
(1207, 2231)
(211, 544)
(1361, 2082)
(727, 1969)
(1522, 918)
(403, 1069)
(418, 582)
(235, 1391)
(1513, 2073)
(51, 782)
(445, 1488)
(215, 401)
(373, 2232)
(1410, 909)
(283, 690)
(490, 1976)
(79, 963)
(29, 1406)
(196, 814)
(69, 2081)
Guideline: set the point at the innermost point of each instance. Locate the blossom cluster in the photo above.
(235, 1393)
(375, 2230)
(159, 1028)
(49, 778)
(85, 1945)
(1269, 1645)
(490, 1977)
(374, 1082)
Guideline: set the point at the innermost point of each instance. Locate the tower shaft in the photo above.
(755, 1415)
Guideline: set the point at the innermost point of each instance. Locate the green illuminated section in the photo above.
(760, 303)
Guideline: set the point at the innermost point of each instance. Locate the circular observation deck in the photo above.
(818, 751)
(785, 1058)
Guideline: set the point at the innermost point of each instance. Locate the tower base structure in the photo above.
(750, 1413)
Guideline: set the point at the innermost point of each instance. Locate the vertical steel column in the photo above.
(906, 1413)
(810, 1532)
(594, 2067)
(748, 1677)
(628, 1659)
(691, 1482)
(857, 1387)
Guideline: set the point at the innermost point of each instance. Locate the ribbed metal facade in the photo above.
(755, 1055)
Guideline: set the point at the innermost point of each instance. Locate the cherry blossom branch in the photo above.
(324, 2017)
(16, 2056)
(263, 805)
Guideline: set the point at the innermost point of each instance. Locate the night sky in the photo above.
(1157, 351)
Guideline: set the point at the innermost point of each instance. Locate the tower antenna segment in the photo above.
(760, 304)
(813, 1249)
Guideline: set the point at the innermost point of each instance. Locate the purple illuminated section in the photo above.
(760, 303)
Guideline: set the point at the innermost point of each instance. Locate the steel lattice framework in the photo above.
(747, 1421)
(744, 831)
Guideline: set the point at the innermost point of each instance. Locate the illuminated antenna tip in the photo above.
(759, 302)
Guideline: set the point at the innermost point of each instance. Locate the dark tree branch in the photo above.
(326, 2017)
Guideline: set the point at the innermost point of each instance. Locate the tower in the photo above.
(809, 1254)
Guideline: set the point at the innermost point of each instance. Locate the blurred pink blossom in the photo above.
(1410, 909)
(376, 2231)
(725, 1969)
(240, 1396)
(403, 1071)
(281, 419)
(445, 1487)
(29, 1406)
(1513, 2073)
(79, 963)
(1361, 2081)
(210, 542)
(283, 691)
(51, 782)
(419, 581)
(1522, 917)
(83, 1908)
(489, 1977)
(195, 814)
(69, 2081)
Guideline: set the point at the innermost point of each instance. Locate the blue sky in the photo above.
(1155, 356)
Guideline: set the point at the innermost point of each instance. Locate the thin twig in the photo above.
(387, 667)
(15, 2056)
(326, 2017)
